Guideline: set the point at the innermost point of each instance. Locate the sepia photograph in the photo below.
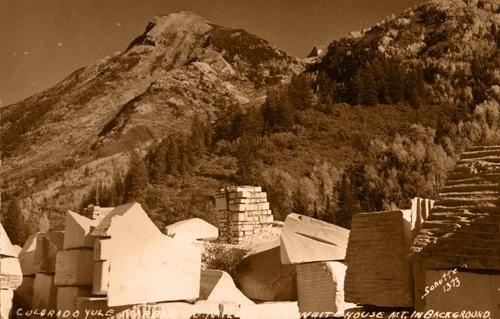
(249, 159)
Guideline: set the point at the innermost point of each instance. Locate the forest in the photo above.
(327, 160)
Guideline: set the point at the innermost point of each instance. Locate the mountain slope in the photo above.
(449, 47)
(428, 78)
(182, 66)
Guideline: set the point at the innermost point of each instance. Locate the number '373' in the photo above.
(454, 283)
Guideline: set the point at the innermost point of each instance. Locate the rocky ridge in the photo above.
(181, 66)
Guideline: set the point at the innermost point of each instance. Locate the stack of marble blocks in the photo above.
(242, 211)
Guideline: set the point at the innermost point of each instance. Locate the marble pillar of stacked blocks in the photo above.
(241, 212)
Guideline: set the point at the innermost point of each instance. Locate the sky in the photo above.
(42, 41)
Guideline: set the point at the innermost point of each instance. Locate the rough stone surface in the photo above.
(320, 287)
(100, 281)
(102, 249)
(193, 229)
(305, 239)
(102, 227)
(464, 224)
(6, 247)
(11, 275)
(47, 246)
(27, 255)
(378, 269)
(464, 291)
(6, 296)
(44, 292)
(261, 276)
(147, 266)
(217, 285)
(77, 231)
(271, 310)
(420, 211)
(74, 267)
(23, 295)
(66, 296)
(97, 213)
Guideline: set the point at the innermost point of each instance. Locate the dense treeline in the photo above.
(292, 144)
(324, 160)
(374, 79)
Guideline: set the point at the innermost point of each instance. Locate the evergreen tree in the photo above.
(248, 165)
(415, 89)
(198, 136)
(365, 87)
(277, 111)
(396, 87)
(315, 210)
(13, 223)
(137, 178)
(329, 214)
(173, 159)
(300, 92)
(119, 189)
(348, 201)
(158, 163)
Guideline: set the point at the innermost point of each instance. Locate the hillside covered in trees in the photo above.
(376, 121)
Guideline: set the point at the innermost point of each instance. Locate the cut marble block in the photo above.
(261, 276)
(455, 292)
(6, 247)
(44, 292)
(101, 230)
(143, 261)
(47, 246)
(27, 255)
(193, 229)
(305, 239)
(6, 296)
(271, 310)
(74, 267)
(420, 211)
(66, 296)
(11, 275)
(321, 287)
(77, 231)
(102, 249)
(378, 268)
(217, 285)
(24, 293)
(100, 280)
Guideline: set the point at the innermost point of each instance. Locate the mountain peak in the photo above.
(162, 29)
(180, 68)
